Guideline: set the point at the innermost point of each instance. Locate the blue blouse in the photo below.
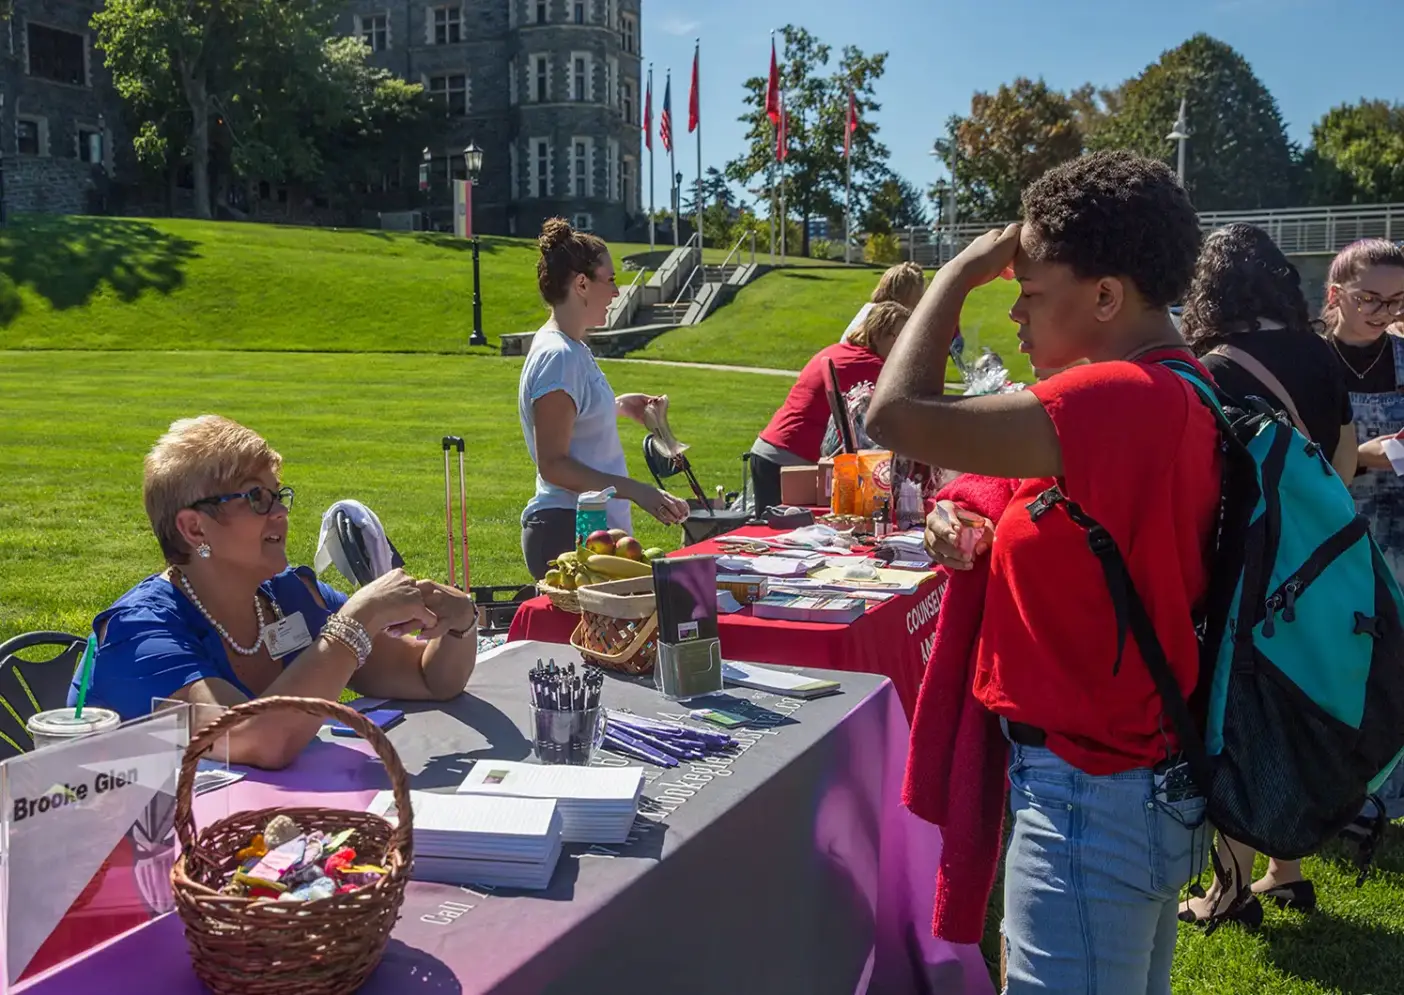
(157, 642)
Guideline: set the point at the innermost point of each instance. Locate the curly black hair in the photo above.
(1242, 276)
(1119, 214)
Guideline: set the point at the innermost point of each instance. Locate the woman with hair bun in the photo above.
(568, 410)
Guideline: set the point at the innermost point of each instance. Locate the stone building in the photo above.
(549, 89)
(57, 109)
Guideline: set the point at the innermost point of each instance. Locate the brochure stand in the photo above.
(87, 842)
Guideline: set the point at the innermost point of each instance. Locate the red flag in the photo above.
(648, 114)
(852, 125)
(665, 119)
(782, 133)
(772, 90)
(694, 102)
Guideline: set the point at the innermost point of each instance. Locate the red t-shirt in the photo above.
(799, 424)
(1140, 455)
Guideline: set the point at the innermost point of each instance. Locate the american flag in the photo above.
(665, 119)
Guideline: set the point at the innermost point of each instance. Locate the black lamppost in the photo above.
(473, 159)
(424, 186)
(2, 159)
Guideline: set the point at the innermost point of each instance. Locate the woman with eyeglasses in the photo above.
(228, 620)
(1364, 297)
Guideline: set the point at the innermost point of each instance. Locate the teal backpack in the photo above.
(1301, 689)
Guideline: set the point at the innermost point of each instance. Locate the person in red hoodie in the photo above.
(1120, 450)
(796, 431)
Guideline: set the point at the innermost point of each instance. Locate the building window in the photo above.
(628, 89)
(579, 11)
(57, 55)
(612, 82)
(629, 29)
(90, 142)
(512, 82)
(579, 89)
(582, 222)
(543, 168)
(581, 167)
(451, 92)
(448, 25)
(27, 130)
(627, 186)
(541, 11)
(542, 76)
(375, 31)
(612, 191)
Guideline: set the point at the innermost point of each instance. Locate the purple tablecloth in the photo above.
(793, 868)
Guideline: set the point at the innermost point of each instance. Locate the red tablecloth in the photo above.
(892, 638)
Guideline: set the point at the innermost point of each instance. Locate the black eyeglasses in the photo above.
(260, 499)
(1372, 304)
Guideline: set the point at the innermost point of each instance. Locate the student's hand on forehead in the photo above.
(989, 256)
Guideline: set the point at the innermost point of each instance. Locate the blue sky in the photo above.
(1311, 54)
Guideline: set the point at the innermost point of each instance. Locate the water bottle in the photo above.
(592, 513)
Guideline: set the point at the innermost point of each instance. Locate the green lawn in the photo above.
(787, 315)
(76, 426)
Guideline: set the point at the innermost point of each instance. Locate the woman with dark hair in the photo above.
(1100, 847)
(568, 411)
(1246, 319)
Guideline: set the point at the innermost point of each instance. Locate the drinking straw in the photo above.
(86, 678)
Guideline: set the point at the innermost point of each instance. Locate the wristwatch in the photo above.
(460, 633)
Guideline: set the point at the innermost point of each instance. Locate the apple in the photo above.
(599, 541)
(653, 553)
(617, 534)
(629, 548)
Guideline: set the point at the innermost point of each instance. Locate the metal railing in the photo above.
(621, 303)
(748, 236)
(1296, 230)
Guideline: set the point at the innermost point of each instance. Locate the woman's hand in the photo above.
(954, 537)
(989, 256)
(633, 405)
(392, 600)
(665, 507)
(1372, 454)
(453, 608)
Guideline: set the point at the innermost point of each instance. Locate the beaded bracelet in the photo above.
(350, 634)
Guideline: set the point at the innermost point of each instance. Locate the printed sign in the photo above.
(89, 841)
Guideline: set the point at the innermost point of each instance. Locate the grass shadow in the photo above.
(802, 276)
(67, 260)
(452, 243)
(1339, 954)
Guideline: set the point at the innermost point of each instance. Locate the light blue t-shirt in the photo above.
(558, 362)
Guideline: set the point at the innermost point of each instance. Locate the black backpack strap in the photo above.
(1131, 614)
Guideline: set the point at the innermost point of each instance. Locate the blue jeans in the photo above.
(1093, 876)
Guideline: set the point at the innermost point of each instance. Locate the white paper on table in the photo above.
(1394, 449)
(727, 603)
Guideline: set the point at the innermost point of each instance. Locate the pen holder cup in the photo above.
(570, 738)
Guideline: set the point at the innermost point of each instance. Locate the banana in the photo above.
(618, 566)
(564, 558)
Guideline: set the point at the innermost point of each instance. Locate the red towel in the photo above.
(957, 764)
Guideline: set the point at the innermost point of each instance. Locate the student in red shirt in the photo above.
(796, 431)
(1100, 849)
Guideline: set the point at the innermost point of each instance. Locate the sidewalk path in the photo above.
(712, 366)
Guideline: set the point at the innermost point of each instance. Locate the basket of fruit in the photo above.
(618, 627)
(601, 558)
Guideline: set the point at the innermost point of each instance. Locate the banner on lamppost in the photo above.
(463, 208)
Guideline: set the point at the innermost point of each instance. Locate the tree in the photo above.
(1357, 155)
(817, 114)
(1093, 106)
(1008, 140)
(716, 192)
(893, 204)
(1238, 156)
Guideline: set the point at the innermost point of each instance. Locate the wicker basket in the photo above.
(243, 946)
(618, 627)
(566, 601)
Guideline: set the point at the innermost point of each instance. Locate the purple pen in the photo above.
(673, 748)
(621, 742)
(707, 736)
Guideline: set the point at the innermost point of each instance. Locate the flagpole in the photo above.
(784, 217)
(652, 222)
(848, 184)
(697, 96)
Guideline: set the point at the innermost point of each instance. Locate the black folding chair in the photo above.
(31, 686)
(703, 521)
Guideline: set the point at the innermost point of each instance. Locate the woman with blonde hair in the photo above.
(227, 620)
(796, 431)
(903, 284)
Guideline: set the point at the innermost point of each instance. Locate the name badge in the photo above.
(287, 635)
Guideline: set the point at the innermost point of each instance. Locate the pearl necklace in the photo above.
(258, 613)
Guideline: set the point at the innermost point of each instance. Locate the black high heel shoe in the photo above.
(1246, 912)
(1297, 895)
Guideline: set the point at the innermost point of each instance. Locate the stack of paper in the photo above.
(785, 682)
(467, 839)
(596, 804)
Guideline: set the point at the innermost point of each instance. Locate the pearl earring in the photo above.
(203, 551)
